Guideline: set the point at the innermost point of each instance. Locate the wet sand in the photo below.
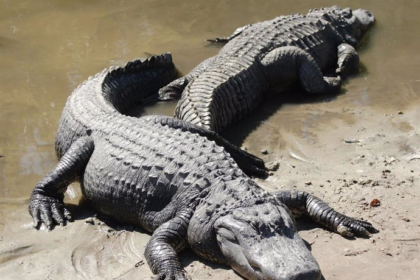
(350, 149)
(346, 165)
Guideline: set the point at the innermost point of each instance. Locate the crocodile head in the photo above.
(358, 21)
(351, 24)
(261, 242)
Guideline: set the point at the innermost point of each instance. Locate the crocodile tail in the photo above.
(138, 81)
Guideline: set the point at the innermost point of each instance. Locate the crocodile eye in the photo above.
(347, 13)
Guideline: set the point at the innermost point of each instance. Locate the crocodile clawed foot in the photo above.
(218, 40)
(48, 210)
(350, 228)
(334, 84)
(173, 90)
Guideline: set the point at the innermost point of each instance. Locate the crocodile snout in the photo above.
(365, 18)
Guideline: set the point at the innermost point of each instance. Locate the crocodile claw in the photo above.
(259, 172)
(48, 210)
(350, 227)
(173, 275)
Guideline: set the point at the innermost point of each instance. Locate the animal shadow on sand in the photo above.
(238, 132)
(106, 225)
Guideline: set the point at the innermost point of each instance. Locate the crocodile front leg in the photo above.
(348, 60)
(173, 90)
(285, 65)
(161, 250)
(46, 205)
(303, 203)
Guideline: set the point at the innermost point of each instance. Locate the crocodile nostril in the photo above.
(258, 272)
(256, 269)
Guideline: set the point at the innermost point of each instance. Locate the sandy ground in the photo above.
(348, 162)
(362, 145)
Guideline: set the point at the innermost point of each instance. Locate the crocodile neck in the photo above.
(226, 195)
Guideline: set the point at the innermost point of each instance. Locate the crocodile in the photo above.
(178, 181)
(314, 51)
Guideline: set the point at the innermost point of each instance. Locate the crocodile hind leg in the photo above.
(161, 250)
(46, 203)
(224, 40)
(286, 65)
(302, 203)
(348, 60)
(174, 89)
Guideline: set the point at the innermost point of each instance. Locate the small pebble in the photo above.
(351, 141)
(90, 221)
(273, 166)
(264, 152)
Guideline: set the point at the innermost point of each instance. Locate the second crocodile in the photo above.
(269, 57)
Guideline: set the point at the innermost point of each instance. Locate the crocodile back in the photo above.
(311, 34)
(143, 171)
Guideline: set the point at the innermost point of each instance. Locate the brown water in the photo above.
(48, 47)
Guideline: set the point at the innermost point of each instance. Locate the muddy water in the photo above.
(48, 47)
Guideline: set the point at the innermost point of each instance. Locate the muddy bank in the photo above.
(376, 157)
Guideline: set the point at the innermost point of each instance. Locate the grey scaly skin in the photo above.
(178, 181)
(138, 83)
(270, 57)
